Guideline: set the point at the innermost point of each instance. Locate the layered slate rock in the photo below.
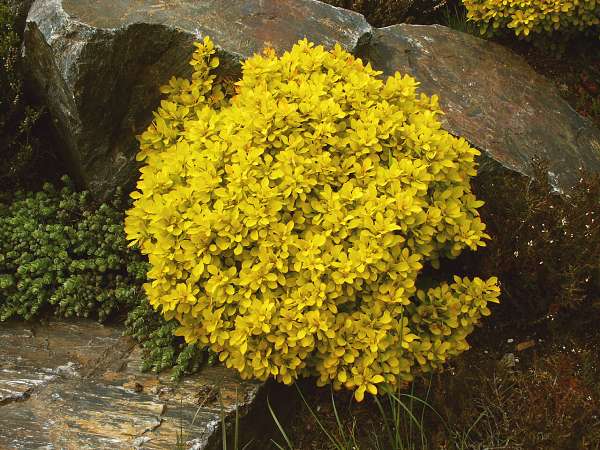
(98, 63)
(78, 385)
(491, 97)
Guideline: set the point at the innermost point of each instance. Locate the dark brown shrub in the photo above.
(19, 146)
(381, 13)
(549, 401)
(545, 248)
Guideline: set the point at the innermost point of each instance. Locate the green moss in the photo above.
(63, 254)
(162, 350)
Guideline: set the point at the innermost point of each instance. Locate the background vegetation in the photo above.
(381, 13)
(527, 18)
(26, 150)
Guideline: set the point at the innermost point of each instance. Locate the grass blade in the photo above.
(385, 421)
(337, 419)
(223, 425)
(248, 444)
(237, 422)
(423, 402)
(281, 430)
(333, 440)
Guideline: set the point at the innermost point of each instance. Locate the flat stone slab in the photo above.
(491, 97)
(98, 64)
(78, 385)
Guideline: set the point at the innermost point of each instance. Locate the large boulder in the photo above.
(98, 63)
(491, 97)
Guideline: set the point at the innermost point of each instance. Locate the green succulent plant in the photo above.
(63, 254)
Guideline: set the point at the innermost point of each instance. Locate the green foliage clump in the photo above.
(529, 17)
(18, 144)
(62, 253)
(162, 349)
(287, 226)
(59, 251)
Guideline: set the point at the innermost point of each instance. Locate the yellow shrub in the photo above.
(534, 16)
(286, 226)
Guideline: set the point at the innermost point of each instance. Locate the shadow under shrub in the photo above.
(545, 248)
(381, 13)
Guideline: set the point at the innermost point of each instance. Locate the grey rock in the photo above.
(491, 97)
(46, 403)
(98, 63)
(138, 443)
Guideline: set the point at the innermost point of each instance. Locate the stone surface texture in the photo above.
(492, 98)
(98, 64)
(78, 385)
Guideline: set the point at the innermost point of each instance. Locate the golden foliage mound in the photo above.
(286, 225)
(533, 16)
